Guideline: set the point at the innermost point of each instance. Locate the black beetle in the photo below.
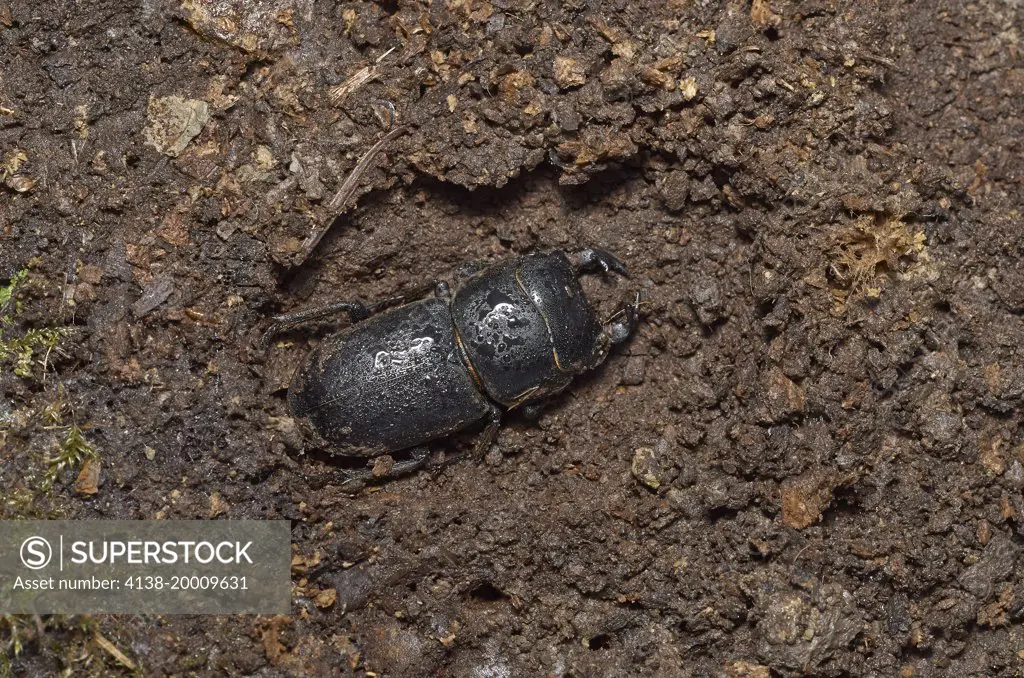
(509, 336)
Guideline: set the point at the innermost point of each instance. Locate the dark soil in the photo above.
(820, 202)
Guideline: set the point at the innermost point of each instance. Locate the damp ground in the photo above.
(807, 461)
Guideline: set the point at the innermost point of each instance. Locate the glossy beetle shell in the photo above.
(511, 335)
(391, 382)
(527, 328)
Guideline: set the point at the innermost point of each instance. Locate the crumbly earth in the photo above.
(807, 462)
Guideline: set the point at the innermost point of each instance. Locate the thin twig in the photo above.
(113, 651)
(338, 202)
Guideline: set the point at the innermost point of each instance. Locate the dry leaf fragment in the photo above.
(761, 13)
(326, 598)
(88, 480)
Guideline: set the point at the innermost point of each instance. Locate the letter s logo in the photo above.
(36, 553)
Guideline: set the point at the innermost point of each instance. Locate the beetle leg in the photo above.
(364, 475)
(356, 310)
(594, 260)
(418, 457)
(622, 324)
(435, 288)
(490, 431)
(482, 443)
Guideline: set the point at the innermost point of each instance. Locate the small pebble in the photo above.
(635, 370)
(706, 298)
(645, 467)
(569, 72)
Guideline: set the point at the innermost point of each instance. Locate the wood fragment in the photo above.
(336, 204)
(112, 650)
(339, 94)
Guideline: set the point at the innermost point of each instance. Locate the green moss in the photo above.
(45, 470)
(65, 643)
(12, 631)
(73, 451)
(62, 639)
(27, 356)
(7, 293)
(33, 348)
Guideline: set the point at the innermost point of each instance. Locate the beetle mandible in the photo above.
(508, 337)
